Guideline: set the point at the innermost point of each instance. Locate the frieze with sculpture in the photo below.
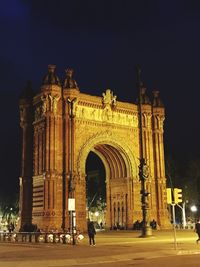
(101, 115)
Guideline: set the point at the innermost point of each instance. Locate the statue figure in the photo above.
(51, 102)
(55, 103)
(44, 104)
(69, 81)
(51, 77)
(109, 98)
(114, 101)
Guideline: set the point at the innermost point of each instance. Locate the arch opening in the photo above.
(107, 172)
(95, 189)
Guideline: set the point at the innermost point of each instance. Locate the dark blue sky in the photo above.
(103, 41)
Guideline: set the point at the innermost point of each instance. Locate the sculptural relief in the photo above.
(106, 114)
(53, 103)
(109, 99)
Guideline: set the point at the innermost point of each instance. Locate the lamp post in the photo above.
(194, 210)
(71, 187)
(143, 167)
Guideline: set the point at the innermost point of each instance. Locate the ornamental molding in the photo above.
(106, 115)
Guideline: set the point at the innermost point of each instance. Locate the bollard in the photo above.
(16, 238)
(45, 238)
(54, 238)
(30, 238)
(64, 239)
(37, 235)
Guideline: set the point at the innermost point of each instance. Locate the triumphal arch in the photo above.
(60, 126)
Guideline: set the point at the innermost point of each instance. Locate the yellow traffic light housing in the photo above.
(177, 195)
(169, 196)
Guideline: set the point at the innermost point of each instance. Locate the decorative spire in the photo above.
(138, 76)
(144, 97)
(156, 99)
(51, 77)
(69, 81)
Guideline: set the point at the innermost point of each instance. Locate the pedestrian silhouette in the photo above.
(91, 233)
(197, 229)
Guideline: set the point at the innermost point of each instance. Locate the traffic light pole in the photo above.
(183, 214)
(174, 225)
(174, 197)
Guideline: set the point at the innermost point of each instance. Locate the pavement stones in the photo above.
(111, 247)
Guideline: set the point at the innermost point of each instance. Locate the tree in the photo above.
(9, 206)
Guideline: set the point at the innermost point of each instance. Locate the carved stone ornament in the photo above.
(109, 99)
(44, 104)
(38, 113)
(54, 103)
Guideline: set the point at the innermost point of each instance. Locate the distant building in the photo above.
(60, 126)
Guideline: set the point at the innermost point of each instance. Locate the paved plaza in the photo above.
(113, 248)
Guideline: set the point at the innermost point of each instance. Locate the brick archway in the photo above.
(120, 169)
(60, 126)
(107, 143)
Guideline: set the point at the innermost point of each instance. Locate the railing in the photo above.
(40, 237)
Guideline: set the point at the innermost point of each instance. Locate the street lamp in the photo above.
(193, 208)
(143, 167)
(71, 187)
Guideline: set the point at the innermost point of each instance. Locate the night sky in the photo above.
(102, 41)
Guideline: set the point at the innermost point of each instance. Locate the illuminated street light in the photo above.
(193, 208)
(96, 213)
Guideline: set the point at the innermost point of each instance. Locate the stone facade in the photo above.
(60, 126)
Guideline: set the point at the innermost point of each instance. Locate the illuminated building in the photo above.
(60, 126)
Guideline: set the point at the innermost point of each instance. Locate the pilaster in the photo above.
(26, 118)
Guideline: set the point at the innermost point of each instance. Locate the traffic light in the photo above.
(177, 195)
(169, 196)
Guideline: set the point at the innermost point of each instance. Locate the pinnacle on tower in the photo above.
(51, 78)
(69, 81)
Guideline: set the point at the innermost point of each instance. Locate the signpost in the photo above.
(71, 209)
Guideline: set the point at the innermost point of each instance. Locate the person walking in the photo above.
(197, 229)
(91, 233)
